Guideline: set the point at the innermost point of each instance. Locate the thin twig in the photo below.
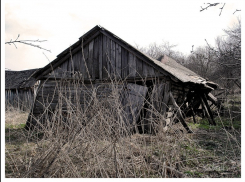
(236, 11)
(221, 9)
(210, 5)
(27, 42)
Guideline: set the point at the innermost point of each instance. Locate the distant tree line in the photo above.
(220, 63)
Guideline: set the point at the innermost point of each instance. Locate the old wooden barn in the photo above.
(100, 58)
(20, 89)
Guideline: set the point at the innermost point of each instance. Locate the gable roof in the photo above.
(19, 79)
(167, 64)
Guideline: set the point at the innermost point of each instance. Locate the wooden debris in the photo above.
(179, 114)
(207, 109)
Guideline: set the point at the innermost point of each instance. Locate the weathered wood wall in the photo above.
(73, 95)
(101, 60)
(19, 98)
(104, 58)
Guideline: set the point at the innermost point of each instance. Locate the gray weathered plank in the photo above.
(118, 61)
(96, 58)
(108, 56)
(85, 60)
(76, 62)
(150, 71)
(124, 63)
(113, 59)
(145, 69)
(133, 101)
(132, 65)
(90, 59)
(105, 54)
(139, 67)
(179, 114)
(100, 46)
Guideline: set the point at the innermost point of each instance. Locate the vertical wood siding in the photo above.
(21, 98)
(104, 58)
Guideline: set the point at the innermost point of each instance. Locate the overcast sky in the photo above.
(140, 22)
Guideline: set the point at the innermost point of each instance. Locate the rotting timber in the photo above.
(154, 94)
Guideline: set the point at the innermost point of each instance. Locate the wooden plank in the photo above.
(85, 60)
(165, 98)
(105, 54)
(90, 59)
(150, 71)
(124, 63)
(80, 60)
(64, 66)
(118, 61)
(157, 73)
(138, 54)
(133, 101)
(193, 115)
(207, 109)
(108, 57)
(100, 47)
(96, 58)
(145, 70)
(179, 114)
(139, 67)
(82, 64)
(157, 97)
(132, 65)
(113, 59)
(76, 62)
(78, 44)
(69, 66)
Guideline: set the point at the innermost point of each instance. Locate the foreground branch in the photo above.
(27, 42)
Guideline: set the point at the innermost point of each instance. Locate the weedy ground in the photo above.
(210, 152)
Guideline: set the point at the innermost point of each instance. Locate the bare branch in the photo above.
(221, 9)
(236, 11)
(192, 49)
(210, 5)
(27, 42)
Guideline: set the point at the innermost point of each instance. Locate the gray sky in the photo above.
(140, 22)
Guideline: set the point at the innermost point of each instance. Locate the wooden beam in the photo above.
(207, 110)
(193, 115)
(179, 114)
(165, 98)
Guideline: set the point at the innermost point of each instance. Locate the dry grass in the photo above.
(97, 142)
(15, 117)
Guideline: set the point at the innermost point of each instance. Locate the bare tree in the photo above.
(224, 59)
(228, 53)
(201, 62)
(155, 50)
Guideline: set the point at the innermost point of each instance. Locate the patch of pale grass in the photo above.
(15, 117)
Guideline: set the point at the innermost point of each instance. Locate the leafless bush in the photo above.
(96, 140)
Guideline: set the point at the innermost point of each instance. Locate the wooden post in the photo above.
(179, 115)
(193, 115)
(207, 110)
